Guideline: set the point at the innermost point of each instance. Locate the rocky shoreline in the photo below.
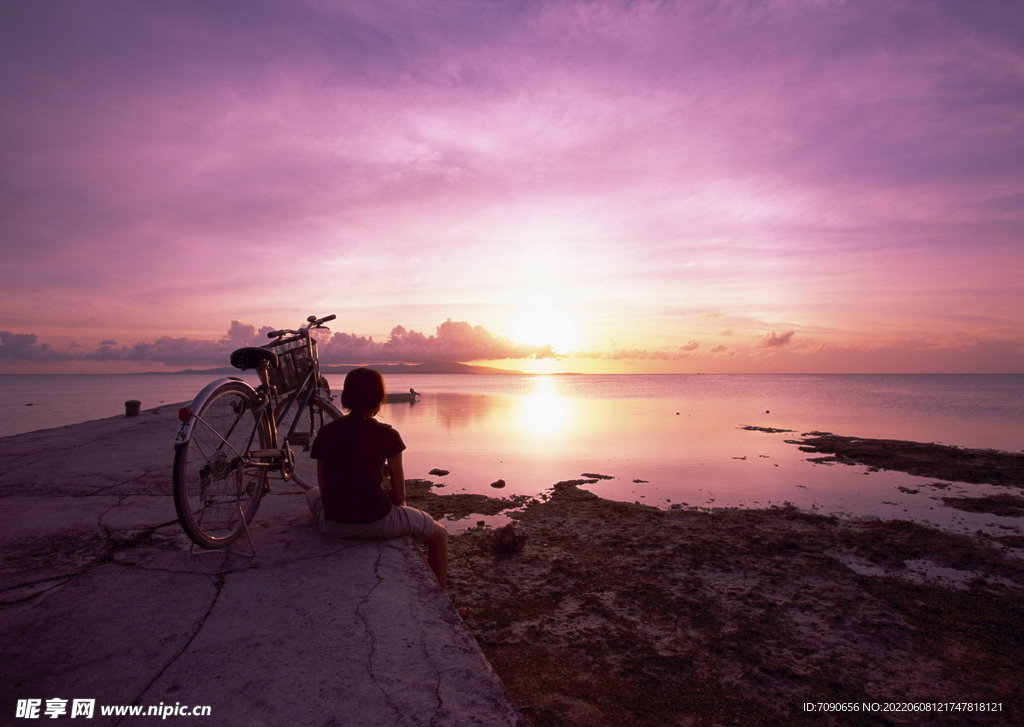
(621, 614)
(976, 466)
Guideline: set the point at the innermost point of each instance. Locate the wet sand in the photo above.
(622, 614)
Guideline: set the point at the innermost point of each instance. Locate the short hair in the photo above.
(363, 392)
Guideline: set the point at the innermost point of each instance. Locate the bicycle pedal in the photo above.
(299, 439)
(267, 453)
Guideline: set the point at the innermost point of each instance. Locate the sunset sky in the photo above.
(713, 186)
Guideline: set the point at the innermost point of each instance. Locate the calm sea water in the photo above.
(663, 440)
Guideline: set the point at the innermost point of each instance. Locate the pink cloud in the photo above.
(773, 340)
(454, 341)
(674, 353)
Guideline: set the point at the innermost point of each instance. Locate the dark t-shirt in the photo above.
(352, 468)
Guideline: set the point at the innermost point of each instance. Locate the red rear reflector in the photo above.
(184, 413)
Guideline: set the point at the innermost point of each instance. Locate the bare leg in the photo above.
(437, 554)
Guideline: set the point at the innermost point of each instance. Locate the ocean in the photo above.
(662, 440)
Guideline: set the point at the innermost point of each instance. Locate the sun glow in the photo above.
(546, 327)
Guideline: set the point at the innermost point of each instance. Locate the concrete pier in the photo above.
(101, 600)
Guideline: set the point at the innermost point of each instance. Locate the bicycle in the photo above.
(233, 438)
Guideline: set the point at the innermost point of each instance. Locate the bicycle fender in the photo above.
(328, 404)
(185, 429)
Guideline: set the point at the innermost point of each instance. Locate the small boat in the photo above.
(401, 397)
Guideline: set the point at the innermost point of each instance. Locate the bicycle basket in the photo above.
(293, 363)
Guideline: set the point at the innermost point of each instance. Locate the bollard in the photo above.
(132, 407)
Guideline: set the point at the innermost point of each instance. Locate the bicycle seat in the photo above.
(252, 357)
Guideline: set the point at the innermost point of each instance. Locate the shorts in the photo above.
(401, 520)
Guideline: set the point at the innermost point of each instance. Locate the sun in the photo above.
(545, 327)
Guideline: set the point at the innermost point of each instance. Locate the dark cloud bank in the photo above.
(454, 341)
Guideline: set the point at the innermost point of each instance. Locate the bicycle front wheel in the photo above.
(320, 411)
(217, 487)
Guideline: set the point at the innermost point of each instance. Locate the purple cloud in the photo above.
(454, 341)
(182, 351)
(23, 347)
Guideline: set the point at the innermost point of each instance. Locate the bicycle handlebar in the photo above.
(312, 322)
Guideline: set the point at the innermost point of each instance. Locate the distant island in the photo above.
(424, 368)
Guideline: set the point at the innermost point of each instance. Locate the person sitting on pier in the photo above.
(351, 501)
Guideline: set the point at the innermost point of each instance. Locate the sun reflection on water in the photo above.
(544, 413)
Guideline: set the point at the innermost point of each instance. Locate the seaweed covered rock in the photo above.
(507, 541)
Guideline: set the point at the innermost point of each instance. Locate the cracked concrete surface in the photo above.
(100, 599)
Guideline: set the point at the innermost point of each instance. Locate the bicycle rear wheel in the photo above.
(320, 412)
(216, 489)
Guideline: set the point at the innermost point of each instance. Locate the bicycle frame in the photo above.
(233, 438)
(281, 457)
(307, 388)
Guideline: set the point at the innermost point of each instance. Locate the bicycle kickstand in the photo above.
(229, 551)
